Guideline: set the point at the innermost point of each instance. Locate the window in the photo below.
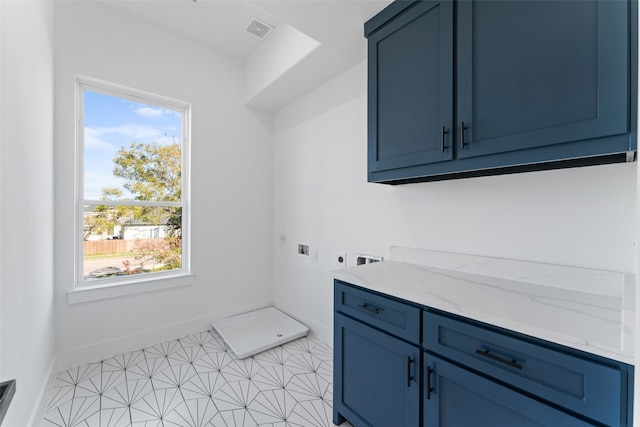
(132, 185)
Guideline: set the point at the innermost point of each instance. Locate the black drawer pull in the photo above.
(370, 309)
(429, 388)
(409, 377)
(443, 146)
(462, 128)
(511, 362)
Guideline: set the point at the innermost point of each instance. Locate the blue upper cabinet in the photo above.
(517, 86)
(411, 88)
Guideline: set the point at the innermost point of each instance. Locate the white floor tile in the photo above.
(196, 381)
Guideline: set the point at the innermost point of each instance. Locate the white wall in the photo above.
(582, 216)
(26, 199)
(232, 207)
(274, 57)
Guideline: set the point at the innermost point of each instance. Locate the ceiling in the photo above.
(216, 23)
(220, 24)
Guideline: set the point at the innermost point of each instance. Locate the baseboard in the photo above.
(41, 402)
(321, 332)
(108, 348)
(316, 329)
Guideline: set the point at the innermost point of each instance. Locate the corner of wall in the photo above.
(272, 61)
(41, 402)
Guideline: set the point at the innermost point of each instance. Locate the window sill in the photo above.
(105, 291)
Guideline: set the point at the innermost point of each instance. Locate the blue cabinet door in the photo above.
(410, 104)
(534, 74)
(456, 397)
(376, 377)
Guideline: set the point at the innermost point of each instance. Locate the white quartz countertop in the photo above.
(585, 309)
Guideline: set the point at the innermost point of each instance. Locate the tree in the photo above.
(104, 218)
(151, 172)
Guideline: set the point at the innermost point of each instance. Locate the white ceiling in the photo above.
(220, 24)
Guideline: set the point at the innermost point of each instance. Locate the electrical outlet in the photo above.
(303, 249)
(341, 259)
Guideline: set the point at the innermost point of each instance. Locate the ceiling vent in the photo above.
(259, 28)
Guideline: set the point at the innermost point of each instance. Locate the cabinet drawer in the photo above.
(589, 388)
(390, 315)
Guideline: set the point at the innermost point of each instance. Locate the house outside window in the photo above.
(132, 185)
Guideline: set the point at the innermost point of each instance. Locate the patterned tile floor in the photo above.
(196, 381)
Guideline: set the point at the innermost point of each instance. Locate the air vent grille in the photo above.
(258, 28)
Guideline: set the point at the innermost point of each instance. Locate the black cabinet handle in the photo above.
(443, 145)
(462, 143)
(429, 388)
(409, 376)
(370, 309)
(512, 363)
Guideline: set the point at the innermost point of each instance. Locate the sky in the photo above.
(111, 123)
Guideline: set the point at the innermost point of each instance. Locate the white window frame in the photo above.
(89, 290)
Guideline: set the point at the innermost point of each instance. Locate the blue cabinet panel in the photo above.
(456, 397)
(376, 377)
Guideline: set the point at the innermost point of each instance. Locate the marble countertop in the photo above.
(585, 309)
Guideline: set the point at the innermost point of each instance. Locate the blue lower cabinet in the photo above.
(457, 397)
(458, 372)
(376, 377)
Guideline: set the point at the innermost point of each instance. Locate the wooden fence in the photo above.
(115, 246)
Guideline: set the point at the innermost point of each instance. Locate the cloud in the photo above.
(93, 140)
(150, 113)
(112, 138)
